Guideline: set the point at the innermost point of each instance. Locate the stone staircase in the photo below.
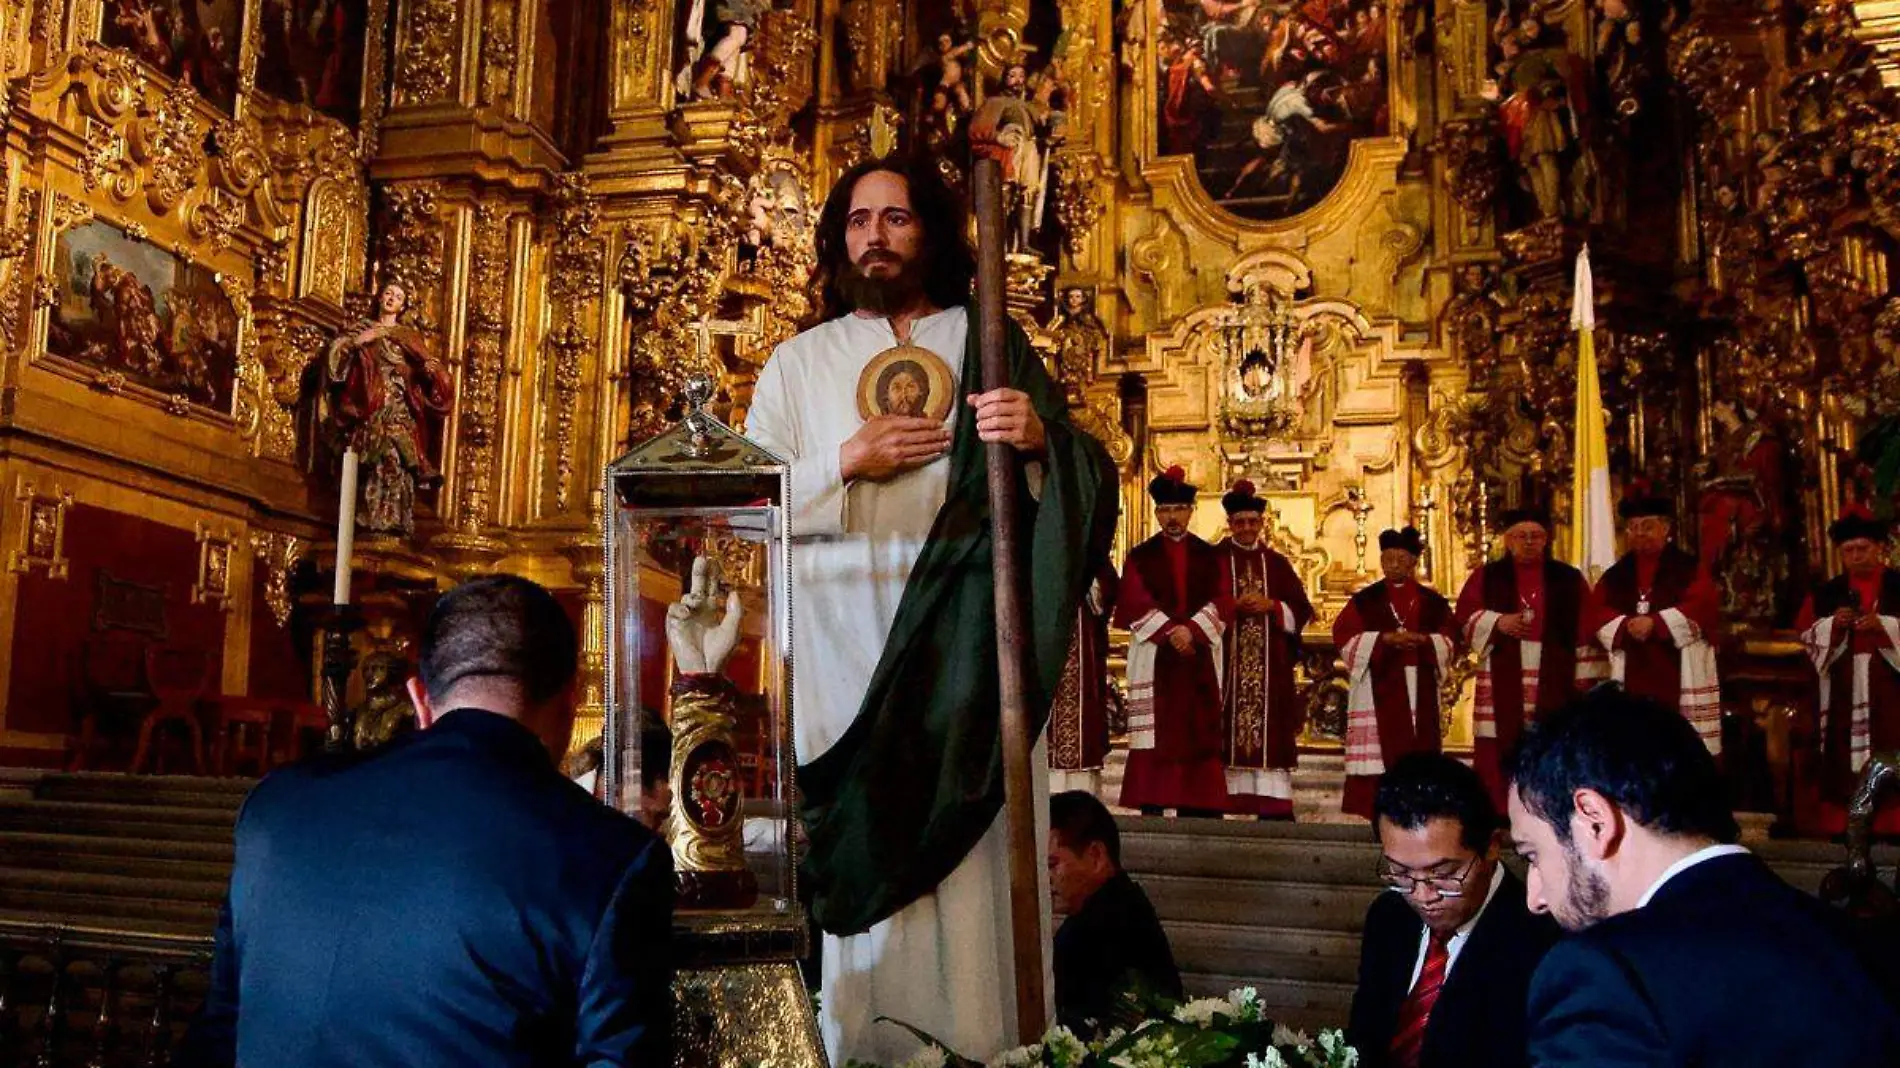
(143, 854)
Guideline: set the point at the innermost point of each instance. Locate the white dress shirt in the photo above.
(1459, 937)
(1685, 864)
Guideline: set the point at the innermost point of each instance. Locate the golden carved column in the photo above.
(639, 83)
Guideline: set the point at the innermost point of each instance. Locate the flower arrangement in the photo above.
(1229, 1032)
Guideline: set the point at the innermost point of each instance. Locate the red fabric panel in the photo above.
(54, 618)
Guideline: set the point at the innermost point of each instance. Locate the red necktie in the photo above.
(1409, 1038)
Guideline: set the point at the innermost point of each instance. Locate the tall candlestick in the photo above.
(345, 528)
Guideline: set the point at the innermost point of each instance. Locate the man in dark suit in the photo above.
(449, 899)
(1111, 942)
(1449, 951)
(1688, 950)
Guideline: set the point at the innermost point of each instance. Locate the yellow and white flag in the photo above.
(1592, 514)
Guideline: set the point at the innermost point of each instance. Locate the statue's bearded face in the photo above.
(885, 241)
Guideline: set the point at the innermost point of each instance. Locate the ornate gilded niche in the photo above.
(1330, 445)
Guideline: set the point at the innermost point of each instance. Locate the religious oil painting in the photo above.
(908, 381)
(313, 54)
(130, 307)
(194, 41)
(1268, 97)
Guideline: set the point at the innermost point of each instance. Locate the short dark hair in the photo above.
(499, 626)
(1421, 787)
(1642, 756)
(1078, 819)
(949, 264)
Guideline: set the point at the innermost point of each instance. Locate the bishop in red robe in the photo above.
(1525, 619)
(1396, 639)
(1656, 613)
(1850, 630)
(1260, 710)
(1172, 605)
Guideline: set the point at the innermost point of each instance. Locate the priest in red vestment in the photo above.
(1078, 717)
(1260, 710)
(1524, 618)
(1396, 638)
(1850, 629)
(1656, 614)
(1172, 605)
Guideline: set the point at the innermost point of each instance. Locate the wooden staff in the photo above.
(1019, 799)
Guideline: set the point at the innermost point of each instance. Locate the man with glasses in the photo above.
(1449, 949)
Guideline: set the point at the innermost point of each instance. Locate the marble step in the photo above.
(1289, 953)
(138, 914)
(83, 884)
(27, 845)
(176, 791)
(1256, 902)
(116, 820)
(34, 856)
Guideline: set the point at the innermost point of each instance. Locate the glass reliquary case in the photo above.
(698, 600)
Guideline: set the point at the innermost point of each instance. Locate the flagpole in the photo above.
(1592, 532)
(1019, 811)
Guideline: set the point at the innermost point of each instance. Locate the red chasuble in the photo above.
(1857, 698)
(1078, 717)
(1383, 722)
(1676, 667)
(1260, 710)
(1174, 720)
(1512, 672)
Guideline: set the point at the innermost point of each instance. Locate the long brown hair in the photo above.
(949, 263)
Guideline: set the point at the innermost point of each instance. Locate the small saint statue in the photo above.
(388, 395)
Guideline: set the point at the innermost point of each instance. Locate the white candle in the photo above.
(345, 528)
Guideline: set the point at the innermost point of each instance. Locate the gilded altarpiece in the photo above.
(1325, 246)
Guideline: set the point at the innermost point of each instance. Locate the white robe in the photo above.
(944, 963)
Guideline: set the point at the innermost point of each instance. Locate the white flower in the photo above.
(1244, 1004)
(1065, 1050)
(928, 1057)
(1338, 1053)
(1114, 1035)
(1272, 1059)
(1020, 1057)
(1286, 1036)
(1200, 1012)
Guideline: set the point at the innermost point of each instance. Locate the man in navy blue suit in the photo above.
(449, 899)
(1686, 949)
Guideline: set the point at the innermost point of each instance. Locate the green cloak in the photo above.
(895, 805)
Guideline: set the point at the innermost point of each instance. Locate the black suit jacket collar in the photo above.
(492, 733)
(1713, 875)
